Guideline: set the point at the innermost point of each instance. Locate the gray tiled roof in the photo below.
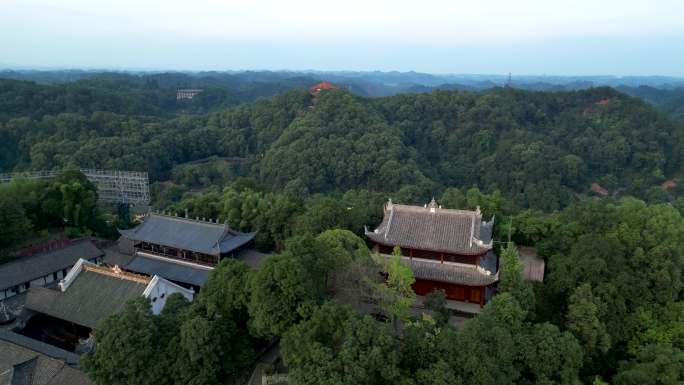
(24, 373)
(114, 257)
(433, 228)
(173, 271)
(22, 365)
(533, 265)
(188, 234)
(38, 346)
(90, 298)
(36, 266)
(449, 272)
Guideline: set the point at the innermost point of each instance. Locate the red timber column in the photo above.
(477, 260)
(441, 258)
(411, 254)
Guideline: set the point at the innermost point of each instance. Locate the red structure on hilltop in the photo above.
(316, 89)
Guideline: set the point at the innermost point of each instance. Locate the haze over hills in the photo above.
(231, 87)
(387, 78)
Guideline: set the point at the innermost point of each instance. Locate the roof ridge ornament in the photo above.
(389, 221)
(433, 205)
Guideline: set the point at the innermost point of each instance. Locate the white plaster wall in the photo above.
(161, 290)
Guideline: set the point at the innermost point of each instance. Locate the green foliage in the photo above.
(614, 268)
(436, 302)
(658, 325)
(215, 347)
(127, 347)
(538, 148)
(395, 294)
(14, 224)
(551, 356)
(498, 347)
(347, 265)
(657, 364)
(583, 321)
(338, 346)
(287, 286)
(226, 292)
(511, 278)
(283, 291)
(67, 202)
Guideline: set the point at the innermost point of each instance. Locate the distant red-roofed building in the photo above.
(603, 102)
(598, 189)
(668, 184)
(316, 89)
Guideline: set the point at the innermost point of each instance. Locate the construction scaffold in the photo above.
(113, 186)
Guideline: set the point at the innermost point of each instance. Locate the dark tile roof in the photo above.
(22, 365)
(90, 298)
(169, 269)
(36, 266)
(433, 228)
(187, 234)
(38, 346)
(114, 257)
(23, 373)
(450, 272)
(251, 257)
(533, 265)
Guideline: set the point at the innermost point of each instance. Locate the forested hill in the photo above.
(670, 101)
(538, 148)
(148, 94)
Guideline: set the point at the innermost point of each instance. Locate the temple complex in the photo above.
(180, 249)
(447, 249)
(89, 293)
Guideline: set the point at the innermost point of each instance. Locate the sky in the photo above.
(525, 37)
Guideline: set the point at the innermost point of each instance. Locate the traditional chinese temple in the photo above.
(64, 316)
(447, 249)
(191, 240)
(90, 293)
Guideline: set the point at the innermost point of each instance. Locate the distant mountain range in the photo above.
(665, 92)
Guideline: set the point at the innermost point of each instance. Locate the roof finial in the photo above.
(432, 205)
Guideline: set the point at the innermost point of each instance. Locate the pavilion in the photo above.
(446, 249)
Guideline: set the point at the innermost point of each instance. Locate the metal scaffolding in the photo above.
(131, 187)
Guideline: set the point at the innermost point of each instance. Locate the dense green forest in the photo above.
(541, 149)
(669, 101)
(308, 172)
(149, 94)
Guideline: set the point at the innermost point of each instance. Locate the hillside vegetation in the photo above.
(540, 149)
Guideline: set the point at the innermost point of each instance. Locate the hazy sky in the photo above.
(570, 37)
